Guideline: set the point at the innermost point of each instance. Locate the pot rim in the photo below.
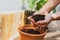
(19, 30)
(34, 34)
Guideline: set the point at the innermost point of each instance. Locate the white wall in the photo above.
(10, 5)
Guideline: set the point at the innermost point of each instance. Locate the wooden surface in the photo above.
(10, 23)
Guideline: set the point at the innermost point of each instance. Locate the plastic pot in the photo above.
(27, 36)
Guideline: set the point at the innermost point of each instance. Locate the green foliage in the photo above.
(32, 4)
(37, 3)
(40, 4)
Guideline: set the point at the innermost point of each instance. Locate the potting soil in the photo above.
(38, 17)
(30, 31)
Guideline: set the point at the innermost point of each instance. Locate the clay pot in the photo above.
(28, 36)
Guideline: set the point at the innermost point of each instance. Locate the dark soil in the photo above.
(38, 17)
(30, 31)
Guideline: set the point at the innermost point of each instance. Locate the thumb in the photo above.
(41, 22)
(46, 13)
(32, 20)
(29, 17)
(35, 13)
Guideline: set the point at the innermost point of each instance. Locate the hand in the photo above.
(44, 23)
(32, 20)
(36, 13)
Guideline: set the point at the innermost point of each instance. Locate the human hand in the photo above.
(36, 13)
(34, 18)
(42, 23)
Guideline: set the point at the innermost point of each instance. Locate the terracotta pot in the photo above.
(27, 36)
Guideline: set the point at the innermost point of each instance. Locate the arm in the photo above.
(51, 4)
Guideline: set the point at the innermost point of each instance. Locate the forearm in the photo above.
(51, 4)
(56, 16)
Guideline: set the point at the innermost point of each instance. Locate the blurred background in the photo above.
(15, 12)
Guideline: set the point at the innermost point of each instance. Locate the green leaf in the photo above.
(40, 4)
(32, 3)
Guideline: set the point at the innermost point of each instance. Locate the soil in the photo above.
(38, 17)
(30, 31)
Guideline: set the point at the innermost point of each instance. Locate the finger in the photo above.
(30, 17)
(32, 20)
(36, 13)
(43, 26)
(46, 12)
(41, 22)
(34, 23)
